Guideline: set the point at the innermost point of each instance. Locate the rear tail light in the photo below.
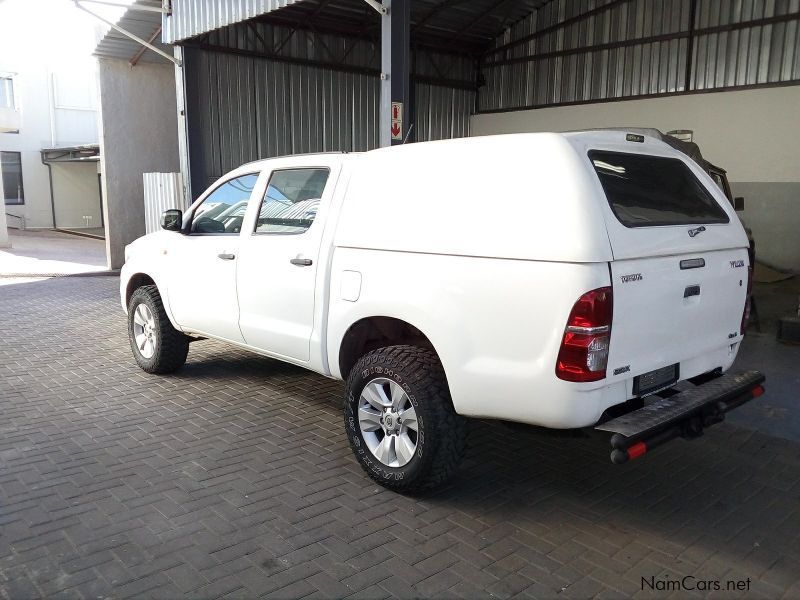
(748, 301)
(584, 349)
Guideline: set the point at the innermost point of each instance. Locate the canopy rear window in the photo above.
(647, 191)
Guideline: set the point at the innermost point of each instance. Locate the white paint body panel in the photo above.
(202, 287)
(655, 326)
(498, 347)
(484, 245)
(277, 298)
(513, 196)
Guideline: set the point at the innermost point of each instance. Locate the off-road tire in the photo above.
(171, 346)
(441, 436)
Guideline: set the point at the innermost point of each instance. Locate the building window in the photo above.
(6, 92)
(11, 170)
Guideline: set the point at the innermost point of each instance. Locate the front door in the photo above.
(202, 285)
(279, 260)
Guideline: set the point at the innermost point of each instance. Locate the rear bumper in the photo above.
(685, 414)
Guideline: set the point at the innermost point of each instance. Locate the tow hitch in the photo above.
(685, 414)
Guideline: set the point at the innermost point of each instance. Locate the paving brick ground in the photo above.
(233, 478)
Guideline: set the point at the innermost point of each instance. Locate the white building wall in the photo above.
(77, 189)
(55, 90)
(4, 241)
(753, 134)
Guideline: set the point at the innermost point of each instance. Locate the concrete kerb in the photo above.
(107, 273)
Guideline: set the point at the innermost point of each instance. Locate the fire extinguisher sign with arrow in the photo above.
(397, 120)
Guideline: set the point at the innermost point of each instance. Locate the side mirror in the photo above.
(172, 219)
(738, 203)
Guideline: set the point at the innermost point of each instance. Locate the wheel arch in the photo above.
(142, 278)
(373, 332)
(136, 281)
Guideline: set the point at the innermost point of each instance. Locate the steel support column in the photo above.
(395, 70)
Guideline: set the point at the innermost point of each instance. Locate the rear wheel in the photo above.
(400, 419)
(157, 346)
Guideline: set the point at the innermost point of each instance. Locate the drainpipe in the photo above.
(4, 241)
(52, 197)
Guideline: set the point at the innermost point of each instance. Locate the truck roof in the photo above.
(652, 137)
(526, 196)
(515, 196)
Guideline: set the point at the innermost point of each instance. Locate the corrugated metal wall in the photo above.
(754, 55)
(640, 47)
(162, 191)
(242, 106)
(442, 112)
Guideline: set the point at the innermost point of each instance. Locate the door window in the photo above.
(291, 201)
(223, 210)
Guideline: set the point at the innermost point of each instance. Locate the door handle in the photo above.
(226, 256)
(691, 290)
(301, 262)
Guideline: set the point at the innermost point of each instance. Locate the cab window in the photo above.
(223, 210)
(291, 201)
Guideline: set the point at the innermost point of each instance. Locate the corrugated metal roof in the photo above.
(193, 17)
(144, 24)
(458, 25)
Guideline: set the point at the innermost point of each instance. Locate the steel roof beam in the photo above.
(141, 7)
(395, 70)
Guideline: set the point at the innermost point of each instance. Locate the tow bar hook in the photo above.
(692, 428)
(624, 448)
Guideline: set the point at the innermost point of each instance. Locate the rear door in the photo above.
(680, 268)
(280, 257)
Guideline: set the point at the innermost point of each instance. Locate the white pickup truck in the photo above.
(561, 280)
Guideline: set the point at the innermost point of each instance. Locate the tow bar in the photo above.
(685, 414)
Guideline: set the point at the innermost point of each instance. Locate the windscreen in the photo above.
(646, 191)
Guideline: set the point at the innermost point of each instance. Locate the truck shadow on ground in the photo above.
(259, 439)
(733, 492)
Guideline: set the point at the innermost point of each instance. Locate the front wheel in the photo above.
(400, 419)
(157, 346)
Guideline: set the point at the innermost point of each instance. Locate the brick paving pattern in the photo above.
(233, 478)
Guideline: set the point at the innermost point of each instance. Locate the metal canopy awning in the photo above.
(142, 23)
(84, 153)
(458, 26)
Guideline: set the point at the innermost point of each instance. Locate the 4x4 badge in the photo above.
(696, 230)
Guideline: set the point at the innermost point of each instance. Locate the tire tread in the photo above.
(173, 345)
(424, 371)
